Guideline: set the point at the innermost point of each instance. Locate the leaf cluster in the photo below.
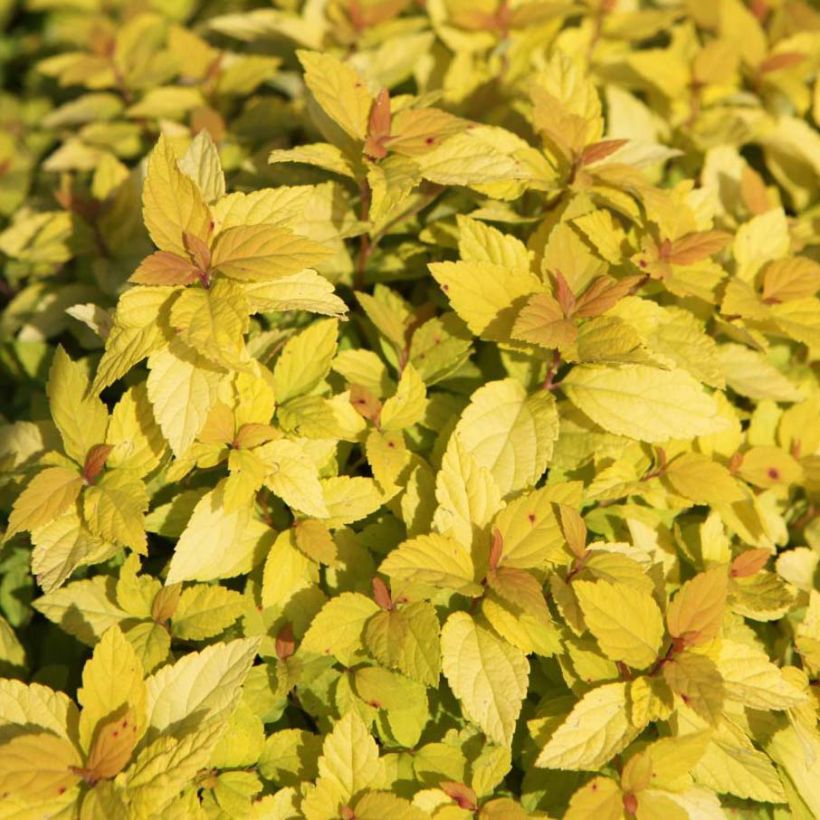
(410, 410)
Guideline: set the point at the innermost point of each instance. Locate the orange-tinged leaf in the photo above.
(496, 548)
(254, 253)
(564, 294)
(696, 612)
(165, 268)
(749, 562)
(314, 539)
(37, 767)
(285, 642)
(112, 747)
(574, 529)
(785, 59)
(541, 322)
(165, 603)
(785, 280)
(696, 246)
(520, 589)
(378, 127)
(95, 461)
(219, 425)
(198, 250)
(381, 593)
(252, 435)
(602, 294)
(600, 150)
(463, 796)
(753, 191)
(365, 403)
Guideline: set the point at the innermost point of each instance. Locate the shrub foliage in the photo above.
(410, 410)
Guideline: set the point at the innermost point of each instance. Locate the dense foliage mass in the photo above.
(410, 410)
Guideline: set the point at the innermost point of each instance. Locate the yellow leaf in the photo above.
(702, 480)
(752, 679)
(339, 90)
(182, 387)
(509, 432)
(597, 728)
(114, 507)
(467, 494)
(350, 499)
(213, 322)
(293, 477)
(112, 679)
(479, 242)
(82, 419)
(306, 290)
(626, 621)
(698, 681)
(50, 493)
(485, 295)
(486, 674)
(406, 407)
(674, 758)
(337, 629)
(320, 154)
(171, 203)
(217, 543)
(642, 402)
(305, 360)
(38, 767)
(136, 333)
(201, 164)
(601, 798)
(530, 529)
(433, 560)
(138, 445)
(350, 757)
